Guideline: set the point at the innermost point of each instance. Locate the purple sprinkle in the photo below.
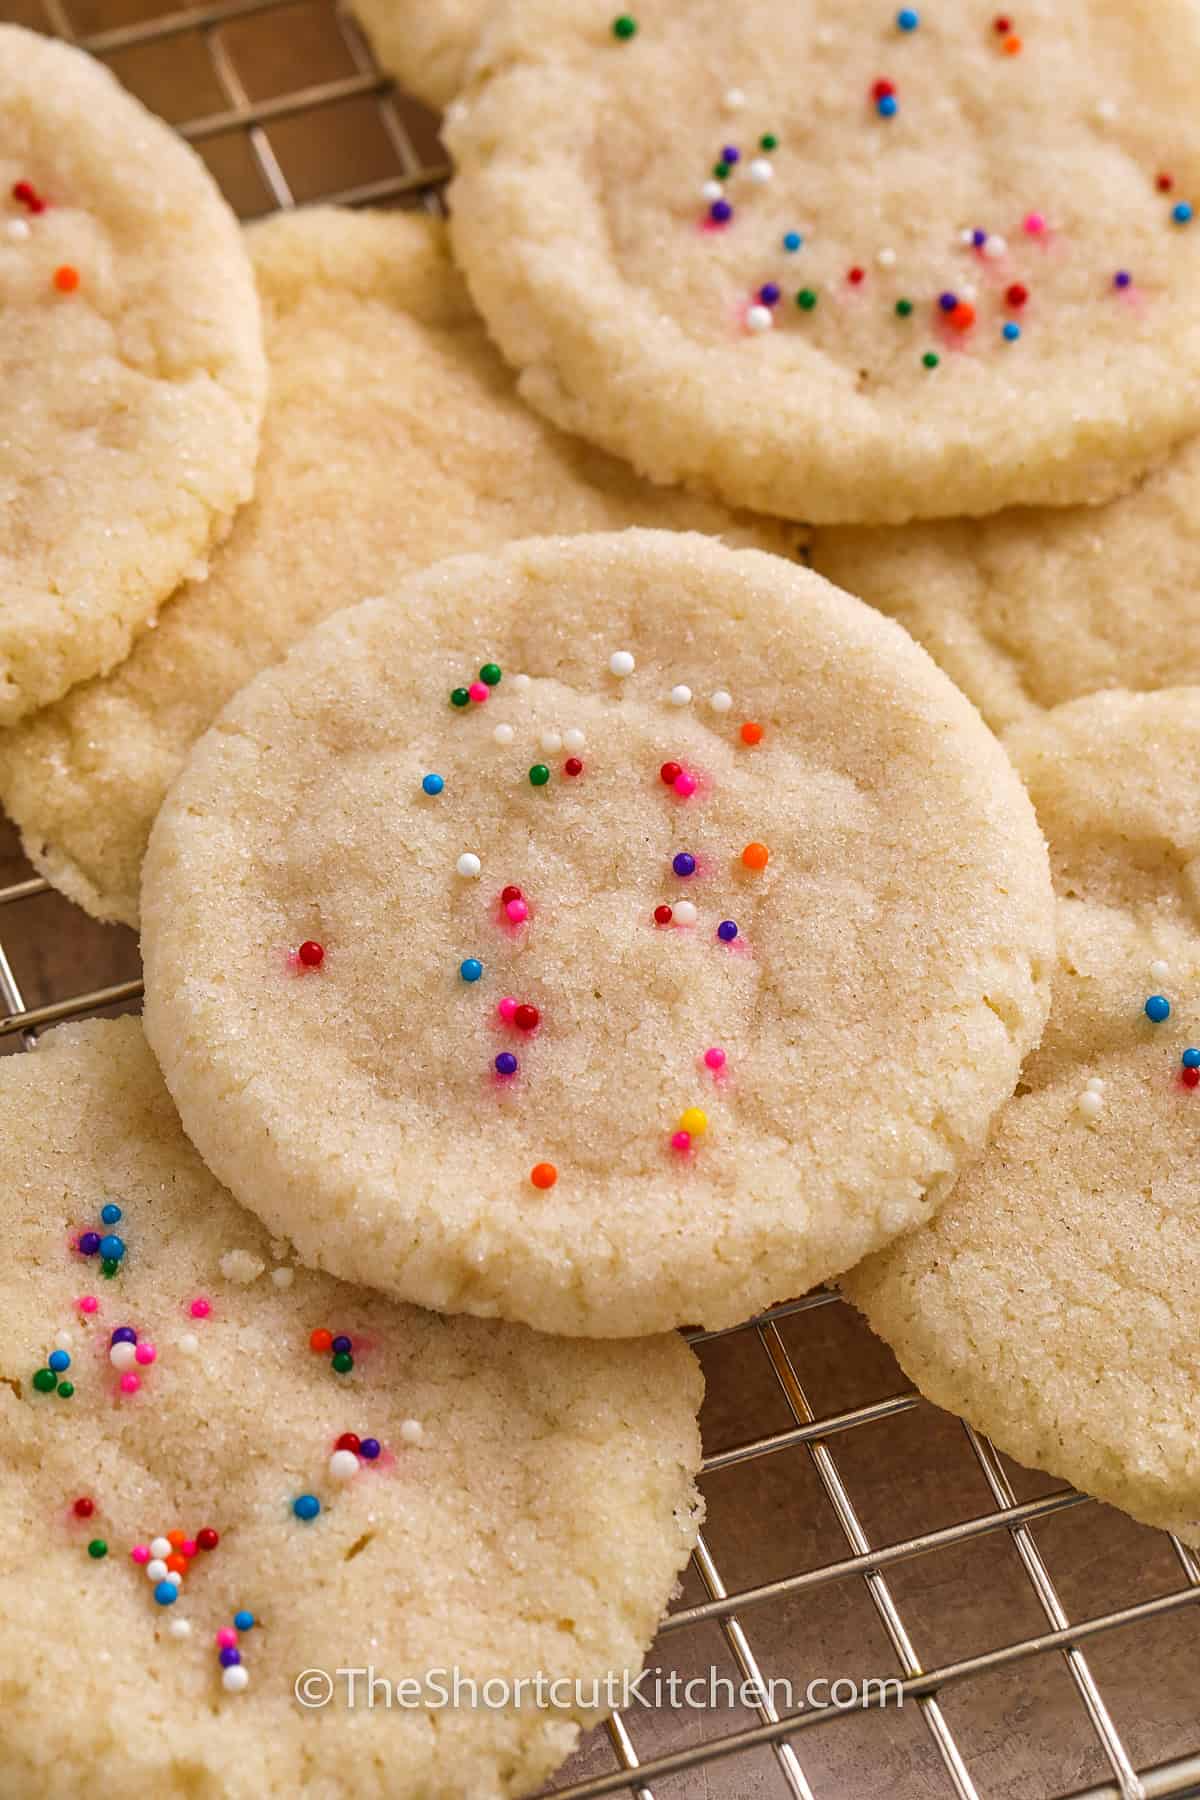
(978, 238)
(727, 931)
(947, 302)
(89, 1243)
(684, 863)
(506, 1063)
(721, 211)
(768, 293)
(124, 1334)
(1122, 278)
(342, 1346)
(731, 154)
(230, 1658)
(370, 1448)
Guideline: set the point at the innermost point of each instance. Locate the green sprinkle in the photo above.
(66, 1389)
(624, 26)
(490, 674)
(97, 1548)
(539, 775)
(343, 1362)
(109, 1266)
(806, 299)
(45, 1381)
(768, 141)
(459, 697)
(904, 308)
(721, 170)
(931, 359)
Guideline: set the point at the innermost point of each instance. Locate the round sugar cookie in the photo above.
(680, 929)
(131, 365)
(506, 1506)
(426, 44)
(1055, 1300)
(393, 437)
(837, 269)
(1036, 607)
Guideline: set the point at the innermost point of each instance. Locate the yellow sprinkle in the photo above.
(694, 1122)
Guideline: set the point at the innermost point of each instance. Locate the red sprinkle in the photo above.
(321, 1341)
(207, 1539)
(1003, 25)
(27, 195)
(855, 276)
(348, 1441)
(66, 279)
(526, 1018)
(1165, 183)
(669, 773)
(84, 1508)
(1191, 1078)
(663, 915)
(881, 89)
(572, 766)
(311, 955)
(1016, 295)
(510, 893)
(963, 316)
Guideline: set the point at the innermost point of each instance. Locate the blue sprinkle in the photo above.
(1191, 1059)
(471, 968)
(166, 1593)
(1012, 331)
(1122, 278)
(306, 1507)
(342, 1345)
(243, 1621)
(731, 154)
(506, 1063)
(978, 238)
(683, 864)
(1158, 1009)
(124, 1334)
(58, 1360)
(89, 1243)
(370, 1448)
(792, 240)
(110, 1214)
(1182, 214)
(947, 302)
(907, 19)
(887, 106)
(230, 1657)
(727, 931)
(768, 293)
(433, 784)
(720, 211)
(113, 1247)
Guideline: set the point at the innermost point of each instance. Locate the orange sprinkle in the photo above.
(321, 1340)
(543, 1175)
(756, 856)
(1012, 46)
(177, 1563)
(963, 316)
(177, 1539)
(66, 279)
(751, 733)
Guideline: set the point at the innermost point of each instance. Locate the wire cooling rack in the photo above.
(1044, 1646)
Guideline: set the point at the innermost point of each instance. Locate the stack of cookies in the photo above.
(646, 735)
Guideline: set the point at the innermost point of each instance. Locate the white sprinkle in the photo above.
(720, 701)
(574, 739)
(503, 734)
(968, 291)
(122, 1356)
(994, 246)
(761, 171)
(157, 1570)
(886, 259)
(824, 35)
(1160, 970)
(241, 1266)
(685, 913)
(1091, 1105)
(283, 1278)
(18, 230)
(173, 1578)
(63, 1340)
(234, 1679)
(966, 236)
(343, 1465)
(1096, 1084)
(179, 1628)
(712, 190)
(468, 864)
(621, 663)
(551, 740)
(1106, 110)
(521, 681)
(734, 100)
(160, 1546)
(759, 319)
(189, 1343)
(412, 1431)
(681, 695)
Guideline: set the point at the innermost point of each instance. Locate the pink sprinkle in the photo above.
(200, 1309)
(516, 910)
(507, 1009)
(145, 1354)
(188, 1547)
(88, 1303)
(1035, 224)
(140, 1553)
(714, 1058)
(227, 1638)
(479, 692)
(685, 784)
(130, 1383)
(681, 1141)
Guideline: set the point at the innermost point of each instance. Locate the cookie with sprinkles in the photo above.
(837, 265)
(1055, 1299)
(131, 365)
(193, 1560)
(393, 436)
(704, 969)
(1039, 606)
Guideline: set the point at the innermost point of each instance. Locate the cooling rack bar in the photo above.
(807, 1434)
(1166, 1781)
(23, 890)
(70, 1009)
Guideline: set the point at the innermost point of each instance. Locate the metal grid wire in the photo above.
(280, 168)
